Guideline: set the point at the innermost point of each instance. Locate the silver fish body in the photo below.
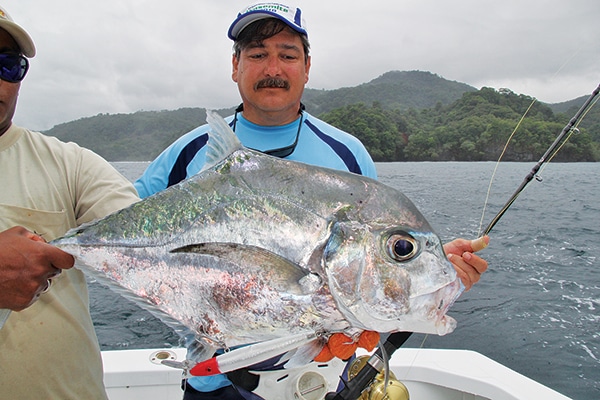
(255, 248)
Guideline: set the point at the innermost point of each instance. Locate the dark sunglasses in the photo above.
(13, 67)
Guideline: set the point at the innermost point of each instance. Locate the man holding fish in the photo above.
(271, 65)
(48, 346)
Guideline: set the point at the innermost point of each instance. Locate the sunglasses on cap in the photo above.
(13, 67)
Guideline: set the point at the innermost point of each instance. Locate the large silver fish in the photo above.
(255, 248)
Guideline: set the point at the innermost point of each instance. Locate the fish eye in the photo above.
(401, 246)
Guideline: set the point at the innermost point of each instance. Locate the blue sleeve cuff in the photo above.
(208, 383)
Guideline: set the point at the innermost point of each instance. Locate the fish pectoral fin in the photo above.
(233, 252)
(252, 258)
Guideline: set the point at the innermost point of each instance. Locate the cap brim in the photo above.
(20, 36)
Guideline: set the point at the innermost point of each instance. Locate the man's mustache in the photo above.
(272, 83)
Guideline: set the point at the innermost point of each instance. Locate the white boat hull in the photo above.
(427, 373)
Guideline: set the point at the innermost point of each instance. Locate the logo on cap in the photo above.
(292, 16)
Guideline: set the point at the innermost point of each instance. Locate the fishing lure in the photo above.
(252, 354)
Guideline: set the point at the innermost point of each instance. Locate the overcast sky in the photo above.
(122, 56)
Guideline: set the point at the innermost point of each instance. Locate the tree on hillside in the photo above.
(378, 129)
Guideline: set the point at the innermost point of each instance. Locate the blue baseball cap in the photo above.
(292, 16)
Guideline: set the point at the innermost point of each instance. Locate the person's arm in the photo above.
(26, 264)
(469, 266)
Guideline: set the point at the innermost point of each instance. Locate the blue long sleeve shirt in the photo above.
(318, 144)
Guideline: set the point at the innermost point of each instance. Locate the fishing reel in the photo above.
(379, 389)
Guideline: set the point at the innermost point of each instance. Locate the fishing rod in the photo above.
(545, 158)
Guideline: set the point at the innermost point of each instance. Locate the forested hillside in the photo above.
(399, 116)
(140, 136)
(474, 128)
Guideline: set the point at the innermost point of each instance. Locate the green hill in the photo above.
(401, 115)
(139, 136)
(400, 90)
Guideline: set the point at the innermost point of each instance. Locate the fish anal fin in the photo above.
(304, 354)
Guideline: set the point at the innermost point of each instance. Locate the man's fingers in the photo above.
(480, 243)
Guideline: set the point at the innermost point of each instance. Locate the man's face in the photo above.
(271, 76)
(8, 91)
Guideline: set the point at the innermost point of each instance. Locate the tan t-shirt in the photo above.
(50, 350)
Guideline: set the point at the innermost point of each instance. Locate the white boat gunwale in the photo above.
(427, 373)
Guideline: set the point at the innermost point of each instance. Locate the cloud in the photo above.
(121, 57)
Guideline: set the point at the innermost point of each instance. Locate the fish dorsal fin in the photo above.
(222, 140)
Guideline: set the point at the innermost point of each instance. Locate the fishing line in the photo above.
(414, 358)
(487, 196)
(567, 132)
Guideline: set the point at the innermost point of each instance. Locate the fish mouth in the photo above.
(448, 295)
(437, 321)
(455, 286)
(425, 313)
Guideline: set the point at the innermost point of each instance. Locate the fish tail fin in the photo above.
(222, 140)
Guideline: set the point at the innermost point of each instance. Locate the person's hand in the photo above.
(342, 346)
(27, 263)
(469, 266)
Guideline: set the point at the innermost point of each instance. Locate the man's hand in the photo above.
(469, 267)
(27, 262)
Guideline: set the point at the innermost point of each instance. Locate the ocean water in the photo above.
(536, 310)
